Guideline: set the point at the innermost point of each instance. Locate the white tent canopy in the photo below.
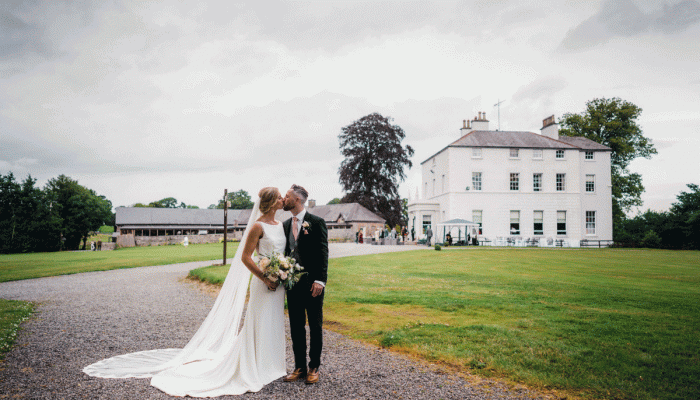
(457, 223)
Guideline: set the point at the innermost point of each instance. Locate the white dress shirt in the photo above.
(300, 217)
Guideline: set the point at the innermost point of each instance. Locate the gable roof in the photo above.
(522, 140)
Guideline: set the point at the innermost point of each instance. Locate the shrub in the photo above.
(437, 247)
(106, 229)
(651, 240)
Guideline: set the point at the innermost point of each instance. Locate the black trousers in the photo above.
(300, 306)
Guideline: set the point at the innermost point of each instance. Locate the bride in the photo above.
(220, 360)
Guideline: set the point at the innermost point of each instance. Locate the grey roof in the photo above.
(137, 217)
(509, 139)
(584, 143)
(522, 139)
(174, 216)
(351, 212)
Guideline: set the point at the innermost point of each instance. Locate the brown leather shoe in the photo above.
(312, 376)
(295, 375)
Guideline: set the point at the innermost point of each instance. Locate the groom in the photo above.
(307, 242)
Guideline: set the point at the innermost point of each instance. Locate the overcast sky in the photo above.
(144, 100)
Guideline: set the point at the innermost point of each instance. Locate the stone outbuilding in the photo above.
(158, 226)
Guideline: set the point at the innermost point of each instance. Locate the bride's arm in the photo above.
(247, 256)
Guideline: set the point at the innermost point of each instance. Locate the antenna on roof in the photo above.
(499, 113)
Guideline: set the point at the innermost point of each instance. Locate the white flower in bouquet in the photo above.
(283, 275)
(284, 265)
(263, 263)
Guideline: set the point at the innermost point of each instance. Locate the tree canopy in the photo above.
(675, 229)
(613, 122)
(80, 209)
(50, 219)
(168, 202)
(335, 200)
(374, 165)
(27, 223)
(240, 200)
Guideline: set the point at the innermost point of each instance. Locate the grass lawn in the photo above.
(12, 313)
(596, 323)
(36, 265)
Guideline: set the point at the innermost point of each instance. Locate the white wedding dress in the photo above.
(220, 360)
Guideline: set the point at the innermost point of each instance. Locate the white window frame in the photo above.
(476, 152)
(514, 178)
(514, 154)
(514, 222)
(561, 220)
(477, 217)
(536, 220)
(561, 182)
(591, 154)
(590, 223)
(536, 188)
(477, 180)
(590, 183)
(537, 154)
(559, 154)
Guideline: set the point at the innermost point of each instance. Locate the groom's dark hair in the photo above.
(301, 192)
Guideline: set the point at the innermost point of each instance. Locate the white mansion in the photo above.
(518, 185)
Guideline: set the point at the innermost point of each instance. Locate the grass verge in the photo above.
(37, 265)
(12, 314)
(596, 323)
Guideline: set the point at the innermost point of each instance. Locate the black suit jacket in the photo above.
(311, 250)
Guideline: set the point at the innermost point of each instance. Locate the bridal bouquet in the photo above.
(283, 269)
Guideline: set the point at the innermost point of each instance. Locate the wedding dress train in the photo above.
(220, 360)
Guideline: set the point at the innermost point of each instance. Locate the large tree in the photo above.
(240, 200)
(80, 209)
(613, 122)
(374, 165)
(27, 223)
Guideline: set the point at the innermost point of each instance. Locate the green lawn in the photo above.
(596, 323)
(12, 313)
(36, 265)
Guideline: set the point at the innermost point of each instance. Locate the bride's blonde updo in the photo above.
(268, 198)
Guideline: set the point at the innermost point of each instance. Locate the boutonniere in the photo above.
(306, 227)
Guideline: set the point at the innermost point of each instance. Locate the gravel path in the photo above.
(86, 317)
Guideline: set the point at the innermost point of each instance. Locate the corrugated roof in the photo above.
(522, 140)
(177, 216)
(183, 217)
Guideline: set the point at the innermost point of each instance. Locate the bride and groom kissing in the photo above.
(221, 359)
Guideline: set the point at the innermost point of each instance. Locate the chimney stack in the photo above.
(466, 127)
(480, 123)
(312, 203)
(550, 128)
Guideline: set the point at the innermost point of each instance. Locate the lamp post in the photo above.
(225, 222)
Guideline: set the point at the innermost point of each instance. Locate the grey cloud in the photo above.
(678, 17)
(543, 88)
(623, 18)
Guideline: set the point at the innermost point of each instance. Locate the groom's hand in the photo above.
(316, 289)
